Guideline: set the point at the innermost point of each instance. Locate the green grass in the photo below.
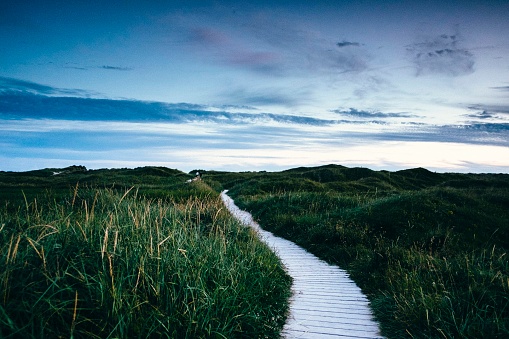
(429, 249)
(140, 253)
(117, 262)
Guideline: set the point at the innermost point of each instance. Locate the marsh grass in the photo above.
(432, 256)
(104, 263)
(465, 296)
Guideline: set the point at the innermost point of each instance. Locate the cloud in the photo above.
(237, 107)
(33, 114)
(266, 43)
(11, 85)
(116, 68)
(345, 43)
(489, 111)
(224, 48)
(106, 67)
(22, 85)
(443, 55)
(475, 133)
(16, 104)
(470, 134)
(501, 88)
(366, 114)
(77, 67)
(342, 61)
(306, 49)
(481, 115)
(490, 127)
(267, 96)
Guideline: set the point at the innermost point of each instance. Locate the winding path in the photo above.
(325, 302)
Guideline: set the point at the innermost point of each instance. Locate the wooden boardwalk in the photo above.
(325, 302)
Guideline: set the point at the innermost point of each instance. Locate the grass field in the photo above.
(139, 253)
(429, 249)
(129, 254)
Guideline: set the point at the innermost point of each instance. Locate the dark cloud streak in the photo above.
(481, 115)
(10, 85)
(491, 109)
(23, 105)
(501, 88)
(116, 68)
(365, 114)
(345, 43)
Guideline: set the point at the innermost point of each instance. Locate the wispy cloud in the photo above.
(29, 105)
(27, 100)
(116, 68)
(106, 67)
(490, 127)
(269, 44)
(268, 96)
(489, 111)
(12, 85)
(306, 48)
(77, 67)
(501, 88)
(22, 85)
(218, 44)
(352, 112)
(443, 54)
(481, 115)
(35, 124)
(342, 60)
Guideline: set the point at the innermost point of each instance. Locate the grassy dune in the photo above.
(158, 259)
(429, 249)
(139, 253)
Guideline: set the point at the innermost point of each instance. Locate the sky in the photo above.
(255, 85)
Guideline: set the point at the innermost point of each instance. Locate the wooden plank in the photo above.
(333, 328)
(310, 316)
(325, 302)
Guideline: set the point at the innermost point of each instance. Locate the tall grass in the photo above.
(106, 264)
(433, 261)
(465, 296)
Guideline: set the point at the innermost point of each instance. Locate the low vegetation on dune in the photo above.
(429, 249)
(129, 254)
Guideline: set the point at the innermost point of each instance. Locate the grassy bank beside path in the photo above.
(118, 263)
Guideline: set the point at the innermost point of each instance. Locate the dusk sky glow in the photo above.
(259, 85)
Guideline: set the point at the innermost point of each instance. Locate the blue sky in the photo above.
(264, 85)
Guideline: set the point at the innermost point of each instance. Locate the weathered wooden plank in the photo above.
(331, 307)
(337, 319)
(333, 328)
(335, 301)
(322, 289)
(352, 323)
(301, 334)
(324, 322)
(325, 303)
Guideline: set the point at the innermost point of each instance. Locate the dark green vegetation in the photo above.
(130, 254)
(429, 249)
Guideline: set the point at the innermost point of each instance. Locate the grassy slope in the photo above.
(428, 248)
(130, 253)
